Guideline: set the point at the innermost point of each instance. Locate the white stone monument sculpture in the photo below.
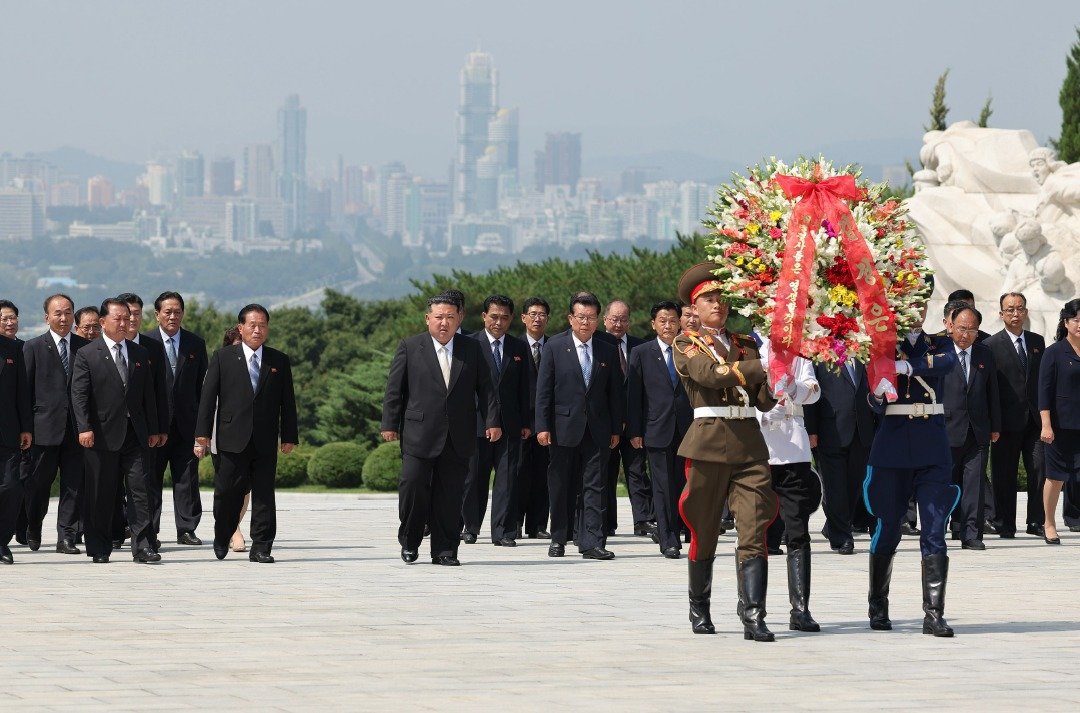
(999, 214)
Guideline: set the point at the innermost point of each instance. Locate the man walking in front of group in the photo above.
(16, 424)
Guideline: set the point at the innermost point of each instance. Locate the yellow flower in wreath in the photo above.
(753, 228)
(843, 296)
(775, 216)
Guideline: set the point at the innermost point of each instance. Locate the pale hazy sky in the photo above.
(733, 81)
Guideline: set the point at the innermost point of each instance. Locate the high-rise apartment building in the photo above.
(22, 214)
(694, 205)
(560, 161)
(222, 177)
(292, 162)
(160, 183)
(100, 192)
(478, 102)
(259, 172)
(190, 175)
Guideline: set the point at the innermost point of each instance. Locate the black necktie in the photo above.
(1022, 353)
(622, 358)
(964, 366)
(497, 353)
(536, 353)
(64, 357)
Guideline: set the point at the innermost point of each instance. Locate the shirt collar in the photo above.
(248, 352)
(663, 347)
(111, 344)
(532, 341)
(492, 340)
(57, 338)
(449, 345)
(165, 338)
(578, 342)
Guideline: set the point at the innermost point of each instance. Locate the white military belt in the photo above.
(915, 410)
(723, 412)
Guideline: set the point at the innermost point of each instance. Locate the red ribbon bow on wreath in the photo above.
(819, 202)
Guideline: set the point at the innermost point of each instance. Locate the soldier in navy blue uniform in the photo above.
(910, 456)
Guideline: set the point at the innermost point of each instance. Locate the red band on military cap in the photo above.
(702, 288)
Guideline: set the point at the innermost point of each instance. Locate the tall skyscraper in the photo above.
(477, 104)
(259, 172)
(222, 177)
(99, 192)
(292, 161)
(190, 175)
(503, 137)
(22, 214)
(160, 181)
(560, 161)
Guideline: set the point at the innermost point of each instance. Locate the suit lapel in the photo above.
(457, 364)
(264, 372)
(180, 360)
(114, 371)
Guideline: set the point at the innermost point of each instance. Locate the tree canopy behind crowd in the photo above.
(341, 352)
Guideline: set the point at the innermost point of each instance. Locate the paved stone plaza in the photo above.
(341, 623)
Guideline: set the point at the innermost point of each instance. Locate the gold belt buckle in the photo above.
(918, 410)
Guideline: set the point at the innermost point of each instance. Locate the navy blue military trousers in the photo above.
(887, 492)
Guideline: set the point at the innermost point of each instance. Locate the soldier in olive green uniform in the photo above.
(726, 455)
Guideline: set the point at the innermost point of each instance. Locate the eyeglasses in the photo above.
(536, 315)
(583, 319)
(1014, 310)
(617, 320)
(965, 330)
(9, 319)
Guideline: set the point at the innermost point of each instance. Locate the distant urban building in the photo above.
(694, 201)
(160, 183)
(292, 162)
(22, 214)
(392, 168)
(68, 192)
(503, 138)
(28, 172)
(427, 209)
(241, 221)
(222, 177)
(100, 193)
(478, 102)
(259, 172)
(472, 233)
(190, 176)
(560, 161)
(397, 186)
(632, 180)
(123, 232)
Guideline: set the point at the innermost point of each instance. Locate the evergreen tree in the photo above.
(1068, 145)
(938, 109)
(984, 115)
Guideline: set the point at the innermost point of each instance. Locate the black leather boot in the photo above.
(880, 576)
(701, 595)
(754, 581)
(935, 573)
(798, 583)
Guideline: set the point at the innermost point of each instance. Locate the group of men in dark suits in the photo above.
(111, 414)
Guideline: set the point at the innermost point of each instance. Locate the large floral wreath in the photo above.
(820, 261)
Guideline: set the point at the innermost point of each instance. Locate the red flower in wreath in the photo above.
(840, 273)
(838, 326)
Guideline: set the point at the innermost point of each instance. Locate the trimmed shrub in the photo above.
(292, 469)
(382, 469)
(206, 472)
(337, 465)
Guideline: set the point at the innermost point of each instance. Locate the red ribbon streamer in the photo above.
(822, 201)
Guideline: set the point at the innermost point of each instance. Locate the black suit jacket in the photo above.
(533, 372)
(102, 404)
(511, 384)
(16, 414)
(50, 387)
(159, 364)
(843, 409)
(564, 407)
(1019, 391)
(426, 414)
(259, 417)
(974, 404)
(184, 388)
(656, 410)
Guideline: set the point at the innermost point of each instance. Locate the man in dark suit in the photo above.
(116, 413)
(16, 436)
(438, 382)
(9, 320)
(972, 420)
(508, 359)
(616, 322)
(579, 414)
(250, 386)
(1017, 356)
(841, 428)
(87, 323)
(49, 360)
(968, 298)
(658, 414)
(532, 473)
(184, 371)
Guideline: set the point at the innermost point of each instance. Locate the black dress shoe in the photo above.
(672, 553)
(989, 526)
(157, 544)
(909, 530)
(260, 557)
(67, 547)
(446, 561)
(544, 535)
(775, 550)
(556, 550)
(1006, 535)
(188, 538)
(220, 551)
(34, 545)
(101, 559)
(598, 553)
(727, 524)
(1074, 528)
(505, 542)
(644, 529)
(5, 555)
(78, 539)
(409, 556)
(972, 545)
(117, 544)
(468, 538)
(848, 548)
(1036, 530)
(146, 555)
(609, 532)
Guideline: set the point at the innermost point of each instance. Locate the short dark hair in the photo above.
(951, 306)
(86, 310)
(961, 294)
(110, 301)
(664, 305)
(683, 306)
(130, 298)
(1001, 300)
(1069, 311)
(585, 299)
(168, 296)
(965, 307)
(533, 302)
(498, 300)
(10, 305)
(58, 295)
(456, 297)
(241, 316)
(231, 335)
(443, 299)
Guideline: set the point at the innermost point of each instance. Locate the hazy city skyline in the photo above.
(132, 81)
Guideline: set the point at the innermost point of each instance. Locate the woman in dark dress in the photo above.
(1059, 408)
